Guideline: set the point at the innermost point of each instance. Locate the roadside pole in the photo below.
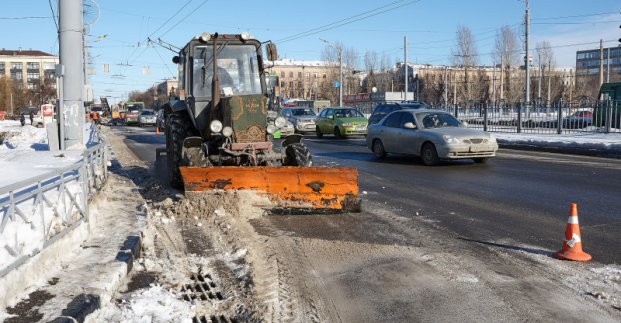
(72, 62)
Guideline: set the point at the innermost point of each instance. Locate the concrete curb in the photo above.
(562, 150)
(85, 304)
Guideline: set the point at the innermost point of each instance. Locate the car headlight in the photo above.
(271, 129)
(450, 139)
(227, 131)
(215, 126)
(280, 122)
(347, 124)
(492, 139)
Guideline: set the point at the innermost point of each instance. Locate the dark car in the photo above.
(382, 109)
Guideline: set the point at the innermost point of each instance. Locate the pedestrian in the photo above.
(22, 119)
(32, 117)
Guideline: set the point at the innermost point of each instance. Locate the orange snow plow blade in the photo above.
(286, 187)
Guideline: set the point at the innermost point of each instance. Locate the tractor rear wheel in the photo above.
(178, 128)
(298, 155)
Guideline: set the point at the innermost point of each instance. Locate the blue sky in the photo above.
(429, 24)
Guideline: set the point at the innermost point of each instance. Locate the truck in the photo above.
(218, 136)
(132, 112)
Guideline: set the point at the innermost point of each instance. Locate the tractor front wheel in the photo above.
(178, 128)
(298, 155)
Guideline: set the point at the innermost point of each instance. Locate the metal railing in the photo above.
(541, 117)
(48, 206)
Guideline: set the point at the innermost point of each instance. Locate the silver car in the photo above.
(303, 118)
(433, 135)
(147, 117)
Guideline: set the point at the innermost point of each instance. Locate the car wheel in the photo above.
(429, 155)
(318, 132)
(481, 160)
(337, 133)
(378, 149)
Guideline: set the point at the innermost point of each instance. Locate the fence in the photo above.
(38, 211)
(539, 117)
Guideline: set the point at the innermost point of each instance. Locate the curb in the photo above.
(84, 304)
(563, 150)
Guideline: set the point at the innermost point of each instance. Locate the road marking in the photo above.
(563, 159)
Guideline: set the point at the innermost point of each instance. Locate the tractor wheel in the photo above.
(178, 128)
(429, 155)
(298, 155)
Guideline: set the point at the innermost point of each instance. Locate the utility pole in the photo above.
(494, 84)
(526, 67)
(502, 76)
(445, 86)
(72, 60)
(339, 49)
(601, 62)
(608, 66)
(405, 60)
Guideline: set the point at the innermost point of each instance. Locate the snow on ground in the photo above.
(581, 140)
(24, 154)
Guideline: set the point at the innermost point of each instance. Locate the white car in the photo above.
(433, 135)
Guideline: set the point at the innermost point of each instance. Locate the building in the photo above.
(303, 79)
(30, 67)
(588, 62)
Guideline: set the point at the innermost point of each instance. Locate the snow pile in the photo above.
(154, 304)
(26, 138)
(583, 140)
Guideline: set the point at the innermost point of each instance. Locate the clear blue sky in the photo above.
(429, 24)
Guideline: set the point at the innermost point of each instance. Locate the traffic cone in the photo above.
(572, 246)
(157, 130)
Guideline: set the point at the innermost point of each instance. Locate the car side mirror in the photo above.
(409, 125)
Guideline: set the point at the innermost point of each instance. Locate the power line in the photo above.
(348, 20)
(183, 19)
(53, 15)
(169, 19)
(24, 18)
(576, 16)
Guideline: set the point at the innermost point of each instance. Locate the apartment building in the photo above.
(30, 67)
(303, 79)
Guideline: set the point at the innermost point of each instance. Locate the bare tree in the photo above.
(507, 53)
(6, 89)
(467, 56)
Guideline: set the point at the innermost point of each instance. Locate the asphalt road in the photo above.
(518, 200)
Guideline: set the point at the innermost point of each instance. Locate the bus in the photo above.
(132, 111)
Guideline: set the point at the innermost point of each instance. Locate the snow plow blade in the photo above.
(299, 188)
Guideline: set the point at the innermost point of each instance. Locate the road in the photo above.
(460, 240)
(520, 198)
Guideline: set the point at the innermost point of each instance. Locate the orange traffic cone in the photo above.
(157, 130)
(572, 246)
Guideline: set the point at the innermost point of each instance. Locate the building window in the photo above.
(307, 75)
(17, 75)
(291, 74)
(315, 75)
(16, 66)
(33, 76)
(282, 74)
(2, 69)
(291, 84)
(32, 65)
(49, 66)
(324, 76)
(299, 75)
(31, 86)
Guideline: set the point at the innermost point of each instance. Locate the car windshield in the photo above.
(431, 120)
(147, 113)
(348, 113)
(302, 112)
(238, 70)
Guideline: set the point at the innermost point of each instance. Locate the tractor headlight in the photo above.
(205, 37)
(280, 122)
(271, 129)
(215, 126)
(227, 131)
(245, 36)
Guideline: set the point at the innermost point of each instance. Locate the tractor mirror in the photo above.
(272, 52)
(175, 59)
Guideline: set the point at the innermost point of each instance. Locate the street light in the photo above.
(340, 51)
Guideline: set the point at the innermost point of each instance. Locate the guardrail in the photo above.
(559, 117)
(38, 211)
